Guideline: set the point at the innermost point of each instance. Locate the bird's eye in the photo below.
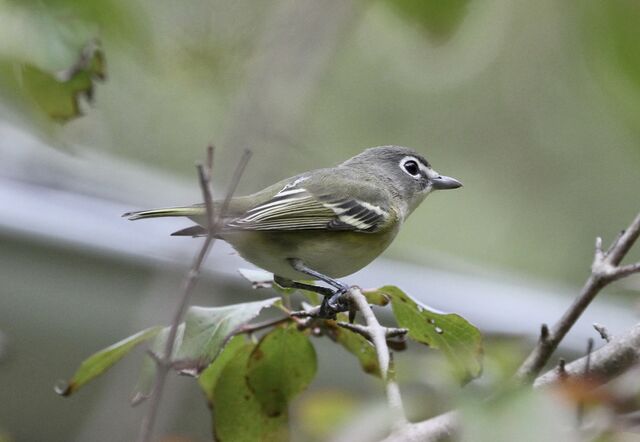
(412, 168)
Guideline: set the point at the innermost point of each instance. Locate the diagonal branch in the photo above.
(213, 223)
(605, 364)
(605, 269)
(611, 360)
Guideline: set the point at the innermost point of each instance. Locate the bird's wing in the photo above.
(300, 208)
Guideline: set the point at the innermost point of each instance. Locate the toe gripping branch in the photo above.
(334, 301)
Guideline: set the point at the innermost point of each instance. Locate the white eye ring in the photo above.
(411, 167)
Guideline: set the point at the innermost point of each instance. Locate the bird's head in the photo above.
(408, 173)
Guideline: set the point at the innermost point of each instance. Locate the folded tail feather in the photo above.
(192, 231)
(169, 211)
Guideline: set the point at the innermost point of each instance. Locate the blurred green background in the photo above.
(534, 105)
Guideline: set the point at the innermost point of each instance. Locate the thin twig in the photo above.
(604, 270)
(164, 363)
(587, 366)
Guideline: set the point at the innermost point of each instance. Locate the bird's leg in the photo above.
(332, 302)
(289, 284)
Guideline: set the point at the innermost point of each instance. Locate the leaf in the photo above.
(207, 330)
(281, 366)
(355, 344)
(376, 297)
(439, 18)
(58, 95)
(209, 377)
(459, 340)
(148, 369)
(238, 414)
(101, 361)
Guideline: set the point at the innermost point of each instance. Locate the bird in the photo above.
(323, 224)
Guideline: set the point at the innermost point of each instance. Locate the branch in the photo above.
(378, 334)
(605, 364)
(213, 224)
(605, 270)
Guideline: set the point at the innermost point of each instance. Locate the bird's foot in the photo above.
(334, 304)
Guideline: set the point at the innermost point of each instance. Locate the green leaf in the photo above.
(99, 362)
(439, 19)
(58, 95)
(238, 413)
(282, 365)
(355, 344)
(376, 297)
(209, 377)
(459, 340)
(207, 330)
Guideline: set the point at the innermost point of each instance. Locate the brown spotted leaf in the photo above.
(238, 414)
(281, 366)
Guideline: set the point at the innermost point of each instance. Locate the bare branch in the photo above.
(605, 364)
(164, 362)
(604, 271)
(377, 334)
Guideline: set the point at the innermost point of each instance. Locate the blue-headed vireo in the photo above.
(323, 224)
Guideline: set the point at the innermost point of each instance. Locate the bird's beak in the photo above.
(445, 182)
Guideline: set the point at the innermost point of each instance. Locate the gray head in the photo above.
(407, 172)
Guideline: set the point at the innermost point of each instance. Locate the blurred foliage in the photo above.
(613, 39)
(522, 415)
(319, 413)
(439, 18)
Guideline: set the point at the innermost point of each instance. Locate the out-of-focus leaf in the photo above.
(320, 413)
(207, 330)
(209, 377)
(101, 361)
(59, 95)
(281, 366)
(524, 414)
(355, 344)
(439, 18)
(612, 37)
(54, 67)
(459, 340)
(148, 369)
(238, 414)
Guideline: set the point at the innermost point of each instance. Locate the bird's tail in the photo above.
(188, 211)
